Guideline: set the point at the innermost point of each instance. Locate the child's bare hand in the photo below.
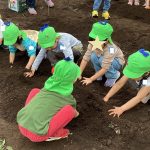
(86, 81)
(29, 74)
(105, 99)
(116, 111)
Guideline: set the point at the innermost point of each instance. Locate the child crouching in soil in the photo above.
(137, 69)
(17, 39)
(55, 46)
(49, 110)
(106, 57)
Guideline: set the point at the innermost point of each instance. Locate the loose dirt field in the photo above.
(92, 130)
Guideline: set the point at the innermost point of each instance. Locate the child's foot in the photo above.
(144, 5)
(136, 3)
(111, 82)
(32, 11)
(147, 7)
(130, 3)
(106, 15)
(49, 3)
(95, 14)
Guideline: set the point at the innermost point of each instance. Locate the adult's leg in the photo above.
(31, 3)
(106, 5)
(97, 4)
(49, 3)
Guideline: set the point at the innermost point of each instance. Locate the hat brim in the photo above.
(131, 74)
(50, 44)
(11, 42)
(101, 38)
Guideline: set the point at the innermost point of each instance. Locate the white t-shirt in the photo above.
(1, 28)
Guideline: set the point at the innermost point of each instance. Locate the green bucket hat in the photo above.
(138, 64)
(47, 36)
(103, 30)
(10, 34)
(65, 74)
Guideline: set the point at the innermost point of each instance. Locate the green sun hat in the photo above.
(65, 74)
(10, 34)
(47, 36)
(103, 30)
(138, 64)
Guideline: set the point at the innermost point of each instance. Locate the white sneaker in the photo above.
(136, 3)
(55, 138)
(130, 3)
(111, 82)
(49, 3)
(32, 11)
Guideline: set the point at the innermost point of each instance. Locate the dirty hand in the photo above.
(86, 81)
(116, 111)
(29, 74)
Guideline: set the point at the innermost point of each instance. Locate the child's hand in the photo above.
(105, 99)
(86, 81)
(116, 111)
(80, 78)
(29, 74)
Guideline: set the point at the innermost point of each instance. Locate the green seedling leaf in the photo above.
(2, 144)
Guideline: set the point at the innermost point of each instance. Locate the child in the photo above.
(147, 4)
(55, 46)
(136, 2)
(31, 5)
(107, 58)
(49, 110)
(17, 39)
(2, 28)
(96, 7)
(136, 69)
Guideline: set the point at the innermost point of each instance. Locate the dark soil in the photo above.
(93, 129)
